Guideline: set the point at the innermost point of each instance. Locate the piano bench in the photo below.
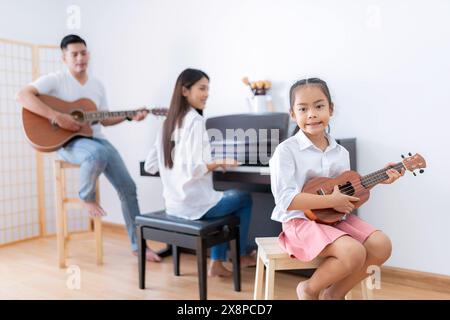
(198, 235)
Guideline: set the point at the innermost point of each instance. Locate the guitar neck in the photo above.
(378, 176)
(103, 115)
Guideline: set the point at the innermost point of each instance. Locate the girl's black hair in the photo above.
(309, 81)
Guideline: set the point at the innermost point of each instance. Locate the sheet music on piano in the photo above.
(247, 153)
(249, 139)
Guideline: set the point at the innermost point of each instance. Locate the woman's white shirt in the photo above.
(187, 187)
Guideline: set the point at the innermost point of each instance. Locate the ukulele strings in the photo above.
(370, 178)
(369, 181)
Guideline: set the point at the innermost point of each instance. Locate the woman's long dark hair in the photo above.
(178, 109)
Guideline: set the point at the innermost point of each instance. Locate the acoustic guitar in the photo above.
(352, 184)
(46, 136)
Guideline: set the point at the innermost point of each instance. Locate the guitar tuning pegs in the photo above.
(409, 154)
(421, 171)
(403, 157)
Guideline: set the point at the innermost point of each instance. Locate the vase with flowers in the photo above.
(260, 99)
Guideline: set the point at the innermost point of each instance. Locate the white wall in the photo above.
(386, 63)
(40, 22)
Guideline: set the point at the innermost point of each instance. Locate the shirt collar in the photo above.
(305, 143)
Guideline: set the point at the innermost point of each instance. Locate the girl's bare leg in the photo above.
(378, 248)
(343, 256)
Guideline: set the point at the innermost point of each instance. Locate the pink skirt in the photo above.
(305, 239)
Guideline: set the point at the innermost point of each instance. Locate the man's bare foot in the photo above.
(304, 293)
(150, 255)
(217, 269)
(94, 209)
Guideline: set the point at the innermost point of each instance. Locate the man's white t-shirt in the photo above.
(64, 86)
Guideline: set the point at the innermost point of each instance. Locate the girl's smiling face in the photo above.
(311, 110)
(197, 94)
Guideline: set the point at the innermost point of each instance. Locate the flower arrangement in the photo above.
(258, 88)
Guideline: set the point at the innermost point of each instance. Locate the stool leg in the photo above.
(201, 262)
(98, 239)
(348, 296)
(367, 294)
(176, 260)
(65, 224)
(59, 215)
(235, 255)
(270, 280)
(142, 247)
(64, 208)
(259, 278)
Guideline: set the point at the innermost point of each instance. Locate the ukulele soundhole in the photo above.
(347, 188)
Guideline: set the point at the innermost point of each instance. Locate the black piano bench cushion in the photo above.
(161, 220)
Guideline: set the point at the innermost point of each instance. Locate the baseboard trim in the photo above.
(114, 227)
(417, 279)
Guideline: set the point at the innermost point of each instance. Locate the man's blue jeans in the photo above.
(96, 156)
(233, 202)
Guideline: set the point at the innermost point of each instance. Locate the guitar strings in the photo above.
(95, 115)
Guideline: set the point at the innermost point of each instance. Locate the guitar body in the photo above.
(44, 136)
(348, 182)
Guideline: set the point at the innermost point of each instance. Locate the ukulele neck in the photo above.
(376, 177)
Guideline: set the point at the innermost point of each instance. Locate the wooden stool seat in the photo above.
(272, 257)
(61, 203)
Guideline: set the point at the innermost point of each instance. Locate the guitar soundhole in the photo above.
(78, 115)
(347, 188)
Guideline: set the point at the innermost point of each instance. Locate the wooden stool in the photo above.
(61, 202)
(273, 257)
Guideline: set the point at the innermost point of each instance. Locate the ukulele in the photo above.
(352, 184)
(46, 136)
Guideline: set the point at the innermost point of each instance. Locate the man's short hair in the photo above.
(69, 39)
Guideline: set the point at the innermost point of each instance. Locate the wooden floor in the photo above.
(28, 270)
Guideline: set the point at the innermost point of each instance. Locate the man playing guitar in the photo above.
(94, 155)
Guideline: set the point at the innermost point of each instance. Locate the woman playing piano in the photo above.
(182, 155)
